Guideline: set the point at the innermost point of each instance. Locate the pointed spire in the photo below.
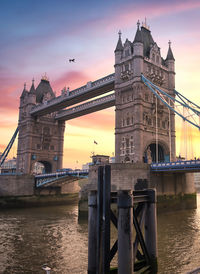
(138, 35)
(119, 46)
(170, 55)
(24, 92)
(32, 89)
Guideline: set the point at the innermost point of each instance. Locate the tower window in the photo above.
(163, 124)
(128, 121)
(126, 52)
(126, 67)
(131, 144)
(158, 121)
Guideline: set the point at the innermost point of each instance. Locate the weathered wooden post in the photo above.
(106, 220)
(151, 229)
(92, 232)
(125, 232)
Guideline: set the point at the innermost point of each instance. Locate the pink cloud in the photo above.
(72, 79)
(127, 15)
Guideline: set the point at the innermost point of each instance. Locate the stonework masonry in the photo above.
(40, 139)
(142, 122)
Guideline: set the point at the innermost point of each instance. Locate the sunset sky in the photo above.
(40, 36)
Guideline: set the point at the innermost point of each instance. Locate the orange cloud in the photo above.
(102, 120)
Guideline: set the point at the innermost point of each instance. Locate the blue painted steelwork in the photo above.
(43, 179)
(190, 165)
(8, 148)
(160, 95)
(183, 98)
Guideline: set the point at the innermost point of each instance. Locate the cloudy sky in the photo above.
(40, 36)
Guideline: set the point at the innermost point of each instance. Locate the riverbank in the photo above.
(38, 200)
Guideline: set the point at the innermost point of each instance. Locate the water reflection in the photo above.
(178, 241)
(32, 237)
(52, 235)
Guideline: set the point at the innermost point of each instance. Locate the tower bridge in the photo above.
(144, 97)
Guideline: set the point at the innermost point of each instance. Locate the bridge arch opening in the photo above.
(41, 167)
(152, 150)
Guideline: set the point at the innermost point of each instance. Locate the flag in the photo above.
(95, 142)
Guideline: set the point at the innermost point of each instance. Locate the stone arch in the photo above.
(127, 159)
(150, 152)
(41, 166)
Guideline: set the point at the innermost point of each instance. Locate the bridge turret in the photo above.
(44, 91)
(170, 62)
(32, 94)
(138, 52)
(119, 49)
(23, 101)
(23, 95)
(118, 56)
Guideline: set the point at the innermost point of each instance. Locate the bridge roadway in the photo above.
(45, 180)
(86, 108)
(178, 166)
(90, 90)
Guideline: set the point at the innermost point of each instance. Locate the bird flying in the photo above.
(71, 60)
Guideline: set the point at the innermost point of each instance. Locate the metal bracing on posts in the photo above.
(131, 216)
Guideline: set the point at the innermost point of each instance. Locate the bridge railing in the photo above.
(43, 179)
(178, 165)
(90, 85)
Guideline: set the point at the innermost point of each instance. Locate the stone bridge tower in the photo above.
(145, 128)
(40, 139)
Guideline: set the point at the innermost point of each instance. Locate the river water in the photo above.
(31, 237)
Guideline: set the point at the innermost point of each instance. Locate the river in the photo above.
(31, 237)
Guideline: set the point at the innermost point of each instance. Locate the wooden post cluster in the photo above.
(136, 210)
(125, 232)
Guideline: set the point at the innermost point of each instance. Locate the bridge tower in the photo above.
(144, 127)
(40, 139)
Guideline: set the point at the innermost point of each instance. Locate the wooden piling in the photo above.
(92, 232)
(151, 230)
(125, 229)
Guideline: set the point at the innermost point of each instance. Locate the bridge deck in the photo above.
(89, 107)
(180, 166)
(91, 90)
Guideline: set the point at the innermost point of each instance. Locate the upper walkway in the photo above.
(90, 90)
(86, 108)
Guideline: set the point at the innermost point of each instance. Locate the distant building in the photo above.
(112, 160)
(9, 166)
(100, 159)
(86, 166)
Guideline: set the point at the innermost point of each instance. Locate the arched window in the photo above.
(153, 57)
(128, 121)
